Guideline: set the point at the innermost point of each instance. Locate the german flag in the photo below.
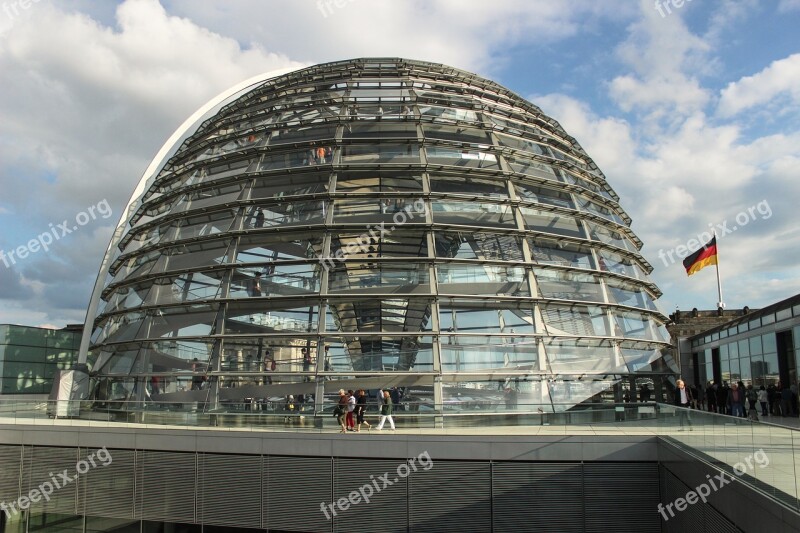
(705, 256)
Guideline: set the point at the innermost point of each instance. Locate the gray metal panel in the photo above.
(42, 465)
(714, 522)
(387, 507)
(691, 519)
(10, 469)
(229, 490)
(166, 485)
(453, 496)
(622, 497)
(294, 489)
(109, 491)
(537, 496)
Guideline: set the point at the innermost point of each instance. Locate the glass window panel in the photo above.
(267, 316)
(383, 354)
(504, 393)
(22, 335)
(768, 319)
(556, 223)
(447, 115)
(398, 243)
(755, 345)
(586, 184)
(757, 370)
(398, 279)
(298, 158)
(120, 328)
(636, 325)
(291, 185)
(377, 182)
(195, 320)
(381, 153)
(444, 155)
(301, 134)
(736, 374)
(482, 279)
(600, 210)
(575, 320)
(630, 295)
(724, 352)
(380, 130)
(257, 354)
(276, 279)
(532, 168)
(560, 253)
(582, 355)
(377, 315)
(783, 314)
(564, 285)
(745, 369)
(525, 145)
(467, 316)
(376, 210)
(287, 214)
(267, 247)
(768, 342)
(542, 195)
(640, 357)
(771, 369)
(172, 355)
(468, 186)
(472, 354)
(474, 245)
(472, 213)
(619, 264)
(455, 133)
(744, 348)
(193, 255)
(609, 236)
(201, 225)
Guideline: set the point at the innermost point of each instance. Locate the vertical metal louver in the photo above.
(42, 464)
(453, 496)
(388, 505)
(165, 486)
(293, 490)
(109, 490)
(537, 497)
(621, 496)
(690, 520)
(10, 463)
(229, 490)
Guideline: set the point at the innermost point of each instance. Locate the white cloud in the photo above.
(781, 78)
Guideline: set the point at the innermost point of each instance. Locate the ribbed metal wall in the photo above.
(294, 488)
(621, 493)
(10, 458)
(166, 484)
(695, 518)
(387, 507)
(452, 496)
(286, 493)
(538, 497)
(109, 490)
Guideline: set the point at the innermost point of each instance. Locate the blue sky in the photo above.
(692, 116)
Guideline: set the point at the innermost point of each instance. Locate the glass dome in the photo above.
(370, 224)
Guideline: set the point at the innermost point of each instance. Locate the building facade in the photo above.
(758, 348)
(376, 223)
(30, 357)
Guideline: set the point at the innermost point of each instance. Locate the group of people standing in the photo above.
(352, 408)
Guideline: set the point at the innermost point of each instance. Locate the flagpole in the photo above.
(720, 303)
